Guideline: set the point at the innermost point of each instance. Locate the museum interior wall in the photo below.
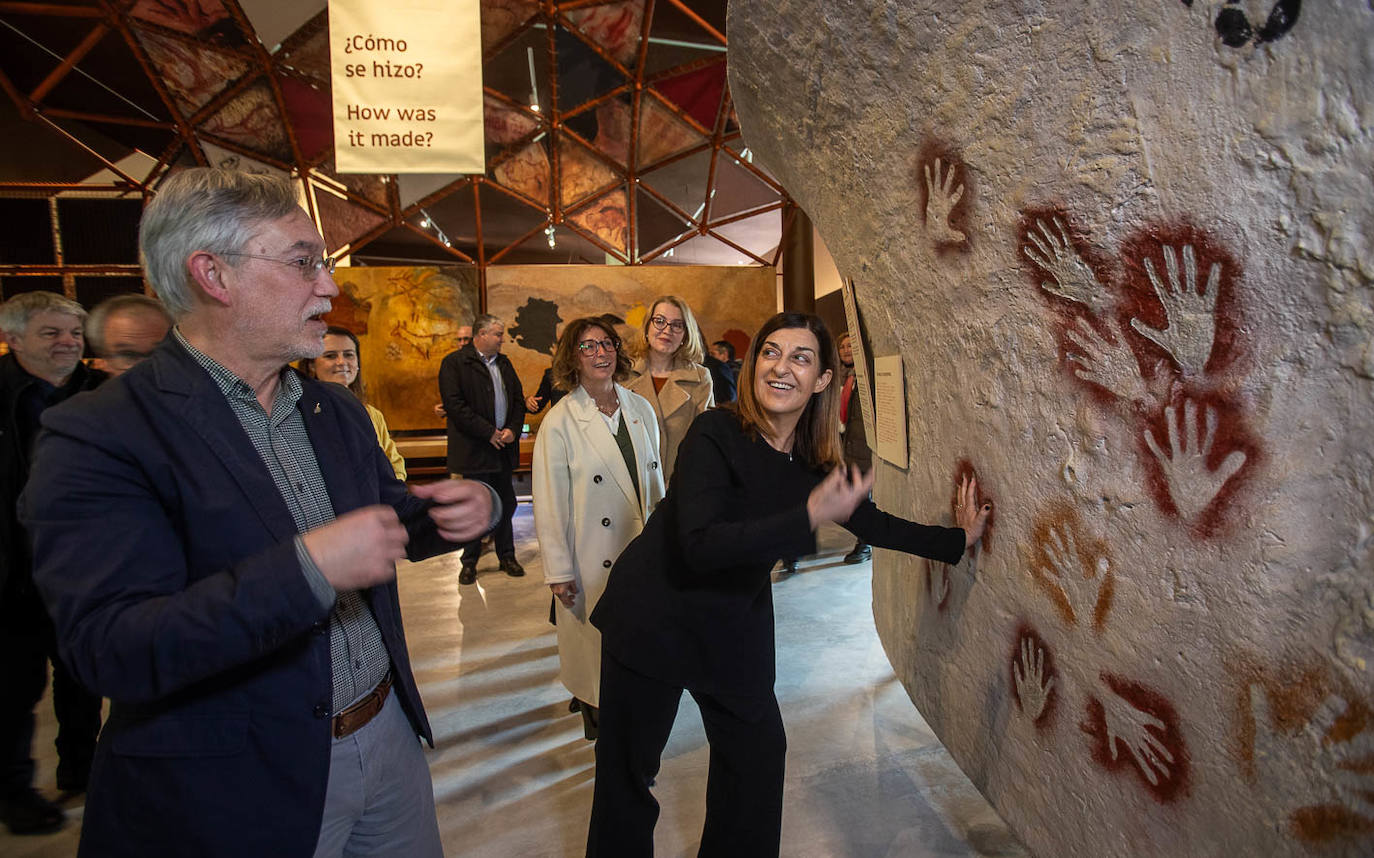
(1124, 250)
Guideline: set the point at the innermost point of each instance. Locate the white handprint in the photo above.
(1191, 485)
(1072, 278)
(1273, 766)
(1131, 726)
(1191, 321)
(1111, 367)
(1033, 685)
(941, 197)
(1082, 587)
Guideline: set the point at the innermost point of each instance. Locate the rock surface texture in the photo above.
(1125, 251)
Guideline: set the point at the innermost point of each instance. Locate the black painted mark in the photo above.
(1236, 30)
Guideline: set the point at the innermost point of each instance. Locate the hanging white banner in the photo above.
(407, 78)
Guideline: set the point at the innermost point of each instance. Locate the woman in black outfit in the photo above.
(689, 603)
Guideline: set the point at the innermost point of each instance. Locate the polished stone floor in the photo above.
(513, 775)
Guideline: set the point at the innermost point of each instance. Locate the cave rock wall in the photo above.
(1125, 251)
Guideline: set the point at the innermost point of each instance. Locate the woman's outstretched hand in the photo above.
(968, 514)
(837, 496)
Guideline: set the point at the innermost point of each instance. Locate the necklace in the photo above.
(607, 408)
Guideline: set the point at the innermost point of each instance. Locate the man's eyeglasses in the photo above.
(677, 326)
(591, 347)
(308, 266)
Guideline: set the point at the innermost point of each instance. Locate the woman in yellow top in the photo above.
(340, 363)
(670, 374)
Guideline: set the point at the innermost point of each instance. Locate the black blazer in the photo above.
(166, 556)
(690, 601)
(469, 397)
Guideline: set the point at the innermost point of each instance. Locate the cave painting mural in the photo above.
(1134, 727)
(945, 197)
(1156, 337)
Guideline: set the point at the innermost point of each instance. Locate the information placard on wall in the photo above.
(889, 391)
(407, 79)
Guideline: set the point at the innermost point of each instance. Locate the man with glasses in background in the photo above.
(216, 538)
(485, 405)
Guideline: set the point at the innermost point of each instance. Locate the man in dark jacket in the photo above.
(45, 335)
(485, 405)
(216, 539)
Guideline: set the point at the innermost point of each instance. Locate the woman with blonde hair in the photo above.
(596, 479)
(670, 375)
(340, 363)
(689, 604)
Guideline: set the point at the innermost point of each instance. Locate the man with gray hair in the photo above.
(485, 408)
(43, 368)
(124, 330)
(216, 537)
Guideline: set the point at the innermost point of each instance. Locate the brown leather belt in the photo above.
(355, 717)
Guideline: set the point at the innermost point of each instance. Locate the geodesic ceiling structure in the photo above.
(609, 130)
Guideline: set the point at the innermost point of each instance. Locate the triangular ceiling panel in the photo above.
(505, 220)
(738, 190)
(606, 218)
(500, 18)
(275, 21)
(311, 115)
(509, 71)
(342, 222)
(656, 224)
(370, 187)
(452, 219)
(697, 92)
(758, 234)
(193, 74)
(98, 78)
(526, 172)
(505, 124)
(583, 77)
(581, 173)
(252, 121)
(683, 182)
(612, 137)
(663, 134)
(676, 39)
(206, 20)
(308, 55)
(616, 28)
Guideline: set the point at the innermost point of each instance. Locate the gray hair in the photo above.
(485, 320)
(17, 312)
(132, 302)
(204, 209)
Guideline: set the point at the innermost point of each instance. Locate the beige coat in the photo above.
(686, 394)
(585, 514)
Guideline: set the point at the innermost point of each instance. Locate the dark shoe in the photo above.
(574, 705)
(468, 575)
(862, 551)
(789, 567)
(28, 812)
(512, 567)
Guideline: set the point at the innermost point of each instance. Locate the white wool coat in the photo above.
(585, 513)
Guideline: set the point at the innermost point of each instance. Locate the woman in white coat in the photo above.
(597, 476)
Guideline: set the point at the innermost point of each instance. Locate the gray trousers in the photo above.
(380, 799)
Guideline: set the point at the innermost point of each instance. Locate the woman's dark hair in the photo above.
(359, 389)
(817, 441)
(565, 355)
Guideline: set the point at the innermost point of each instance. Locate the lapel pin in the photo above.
(317, 408)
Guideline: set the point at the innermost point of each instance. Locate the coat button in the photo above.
(320, 628)
(653, 466)
(605, 522)
(321, 711)
(596, 479)
(605, 564)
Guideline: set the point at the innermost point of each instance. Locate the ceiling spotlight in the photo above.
(534, 107)
(424, 223)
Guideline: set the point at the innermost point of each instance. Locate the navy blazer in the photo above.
(166, 556)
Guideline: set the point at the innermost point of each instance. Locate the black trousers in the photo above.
(744, 782)
(504, 535)
(29, 642)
